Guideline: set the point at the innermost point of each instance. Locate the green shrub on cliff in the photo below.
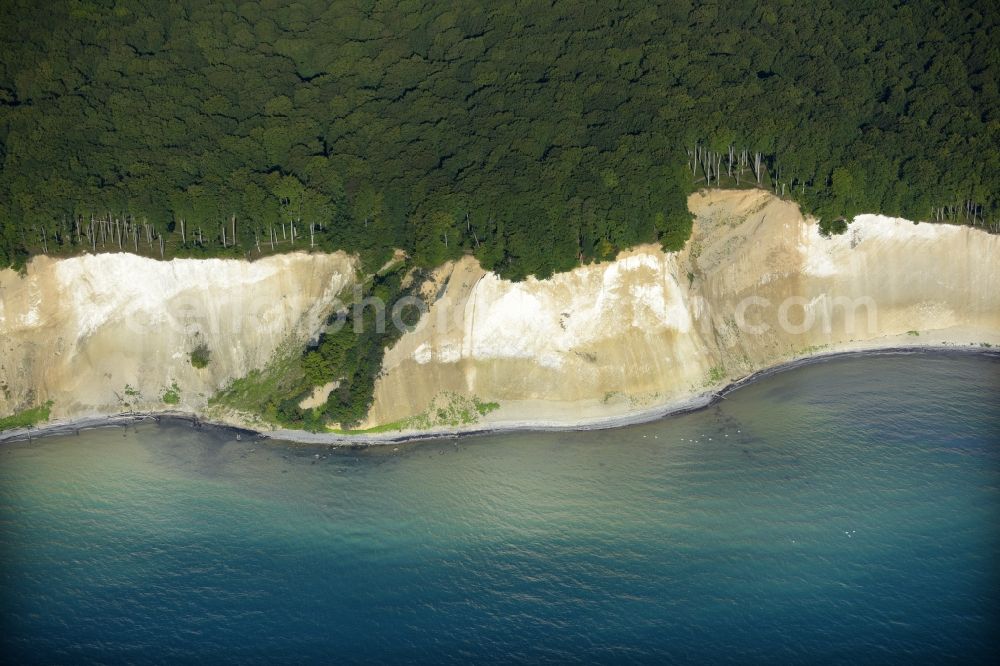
(172, 395)
(485, 408)
(832, 227)
(200, 356)
(27, 418)
(261, 392)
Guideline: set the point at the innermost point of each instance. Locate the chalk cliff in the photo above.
(754, 287)
(101, 333)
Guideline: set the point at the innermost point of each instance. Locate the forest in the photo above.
(534, 135)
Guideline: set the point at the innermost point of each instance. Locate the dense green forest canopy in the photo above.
(535, 135)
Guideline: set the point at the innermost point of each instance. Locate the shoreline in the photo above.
(673, 408)
(66, 427)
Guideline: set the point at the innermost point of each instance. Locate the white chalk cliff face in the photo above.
(756, 286)
(96, 331)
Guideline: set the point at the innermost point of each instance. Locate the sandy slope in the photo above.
(80, 331)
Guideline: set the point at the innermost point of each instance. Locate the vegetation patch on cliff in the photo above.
(447, 410)
(835, 227)
(261, 393)
(27, 418)
(349, 353)
(129, 399)
(200, 356)
(715, 374)
(172, 395)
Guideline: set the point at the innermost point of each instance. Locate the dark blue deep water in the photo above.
(846, 511)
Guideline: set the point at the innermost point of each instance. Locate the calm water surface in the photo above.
(841, 512)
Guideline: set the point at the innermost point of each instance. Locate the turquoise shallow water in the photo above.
(846, 511)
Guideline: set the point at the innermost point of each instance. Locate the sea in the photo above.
(845, 511)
